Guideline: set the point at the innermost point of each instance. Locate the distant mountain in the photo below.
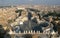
(18, 2)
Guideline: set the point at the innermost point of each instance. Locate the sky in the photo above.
(35, 2)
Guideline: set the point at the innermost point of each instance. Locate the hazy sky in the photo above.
(18, 2)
